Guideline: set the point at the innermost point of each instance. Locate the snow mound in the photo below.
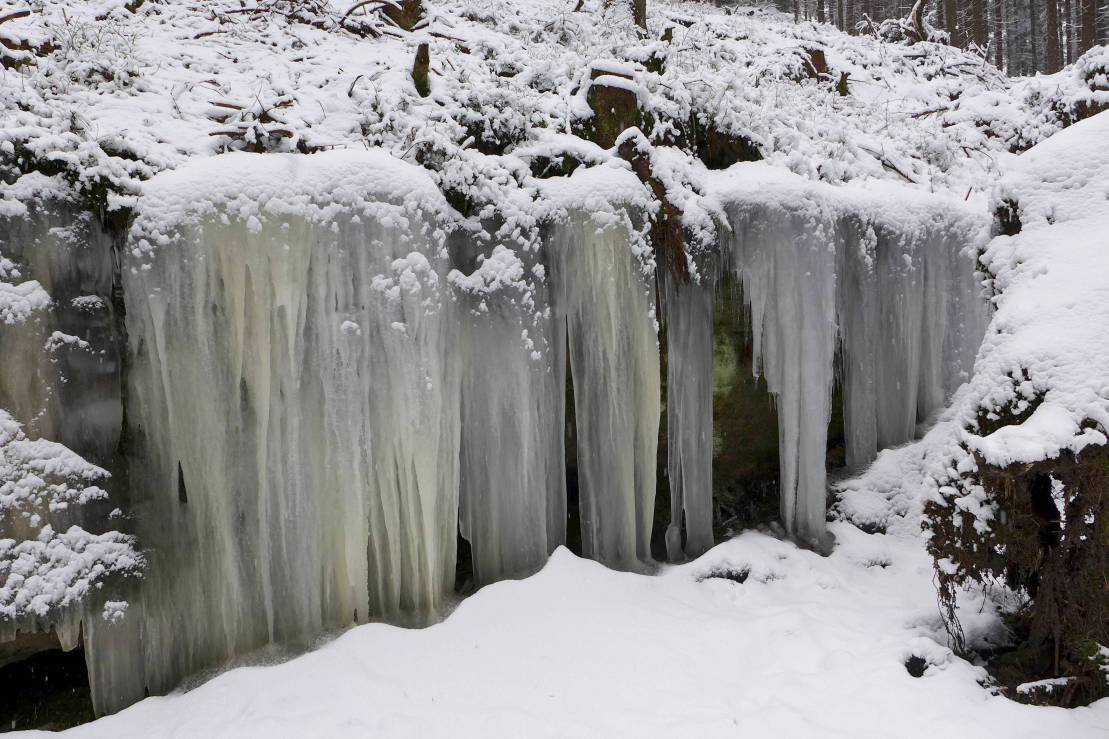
(1045, 359)
(800, 648)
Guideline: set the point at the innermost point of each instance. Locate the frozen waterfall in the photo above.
(328, 383)
(896, 299)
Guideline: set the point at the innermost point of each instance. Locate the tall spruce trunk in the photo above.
(999, 40)
(951, 19)
(978, 22)
(1087, 35)
(1053, 60)
(1033, 33)
(1067, 26)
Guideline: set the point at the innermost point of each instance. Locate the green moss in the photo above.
(745, 425)
(420, 70)
(615, 110)
(1049, 539)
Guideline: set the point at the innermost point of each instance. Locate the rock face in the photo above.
(69, 393)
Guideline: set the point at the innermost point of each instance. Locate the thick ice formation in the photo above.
(608, 300)
(786, 266)
(689, 363)
(61, 364)
(294, 409)
(512, 361)
(321, 397)
(895, 296)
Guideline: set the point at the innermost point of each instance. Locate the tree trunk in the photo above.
(978, 22)
(820, 15)
(1087, 35)
(1066, 26)
(639, 13)
(1053, 60)
(1033, 31)
(951, 21)
(999, 40)
(841, 22)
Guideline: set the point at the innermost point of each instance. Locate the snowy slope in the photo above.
(126, 94)
(805, 646)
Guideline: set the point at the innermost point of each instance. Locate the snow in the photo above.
(1045, 351)
(805, 646)
(48, 563)
(43, 569)
(19, 301)
(129, 94)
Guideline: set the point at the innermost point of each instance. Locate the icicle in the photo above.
(786, 263)
(911, 320)
(609, 306)
(689, 330)
(512, 359)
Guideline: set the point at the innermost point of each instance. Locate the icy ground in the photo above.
(806, 646)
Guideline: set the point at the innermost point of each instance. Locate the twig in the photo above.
(14, 15)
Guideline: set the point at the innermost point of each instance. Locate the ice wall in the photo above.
(61, 367)
(293, 408)
(911, 319)
(608, 300)
(896, 298)
(786, 265)
(328, 383)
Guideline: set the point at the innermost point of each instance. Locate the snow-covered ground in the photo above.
(806, 646)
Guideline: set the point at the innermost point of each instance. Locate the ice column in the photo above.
(512, 355)
(902, 300)
(689, 341)
(607, 297)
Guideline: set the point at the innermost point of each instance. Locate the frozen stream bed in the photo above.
(806, 646)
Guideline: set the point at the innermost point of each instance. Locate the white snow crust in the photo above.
(805, 646)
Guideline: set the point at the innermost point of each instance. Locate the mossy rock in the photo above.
(405, 13)
(615, 110)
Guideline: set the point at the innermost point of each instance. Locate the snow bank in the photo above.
(805, 645)
(1045, 359)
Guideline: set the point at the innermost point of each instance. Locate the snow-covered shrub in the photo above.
(95, 53)
(46, 565)
(258, 125)
(912, 29)
(1066, 97)
(18, 300)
